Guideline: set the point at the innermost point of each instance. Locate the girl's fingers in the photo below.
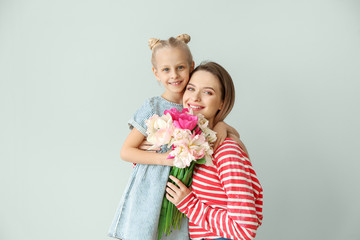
(218, 142)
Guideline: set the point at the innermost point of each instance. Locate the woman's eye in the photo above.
(208, 93)
(165, 69)
(190, 89)
(181, 67)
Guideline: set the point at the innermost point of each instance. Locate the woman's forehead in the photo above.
(204, 78)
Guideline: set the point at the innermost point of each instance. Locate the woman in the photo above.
(225, 201)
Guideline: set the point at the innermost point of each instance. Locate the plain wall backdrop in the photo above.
(73, 72)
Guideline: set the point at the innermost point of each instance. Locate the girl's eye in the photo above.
(165, 69)
(190, 89)
(181, 67)
(208, 93)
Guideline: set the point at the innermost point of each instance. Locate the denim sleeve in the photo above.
(140, 116)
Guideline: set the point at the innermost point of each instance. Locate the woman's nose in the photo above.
(196, 96)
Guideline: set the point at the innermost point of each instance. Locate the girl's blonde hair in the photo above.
(178, 42)
(227, 87)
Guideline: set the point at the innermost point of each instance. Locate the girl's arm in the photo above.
(223, 130)
(130, 151)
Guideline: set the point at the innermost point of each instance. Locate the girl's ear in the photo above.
(192, 66)
(155, 73)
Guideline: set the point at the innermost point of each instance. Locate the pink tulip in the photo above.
(186, 121)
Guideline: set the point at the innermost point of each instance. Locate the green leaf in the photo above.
(162, 219)
(201, 161)
(181, 174)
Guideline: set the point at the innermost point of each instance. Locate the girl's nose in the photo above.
(174, 74)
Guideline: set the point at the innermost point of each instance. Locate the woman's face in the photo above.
(203, 95)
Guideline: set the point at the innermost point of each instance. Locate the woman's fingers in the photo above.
(177, 181)
(176, 192)
(172, 189)
(170, 192)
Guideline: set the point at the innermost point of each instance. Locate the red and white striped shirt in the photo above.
(226, 200)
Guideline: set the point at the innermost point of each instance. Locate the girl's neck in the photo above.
(173, 97)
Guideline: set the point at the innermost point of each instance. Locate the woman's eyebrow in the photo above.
(203, 88)
(209, 88)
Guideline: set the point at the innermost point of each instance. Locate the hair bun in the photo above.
(153, 42)
(184, 37)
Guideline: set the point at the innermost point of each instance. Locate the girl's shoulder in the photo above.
(160, 104)
(151, 106)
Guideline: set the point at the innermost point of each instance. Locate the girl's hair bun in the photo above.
(184, 37)
(153, 42)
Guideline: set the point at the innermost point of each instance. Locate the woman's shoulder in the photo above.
(229, 147)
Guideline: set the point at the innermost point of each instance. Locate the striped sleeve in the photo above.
(243, 213)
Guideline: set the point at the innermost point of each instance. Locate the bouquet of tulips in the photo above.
(191, 141)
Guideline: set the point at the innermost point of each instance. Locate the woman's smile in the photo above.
(203, 94)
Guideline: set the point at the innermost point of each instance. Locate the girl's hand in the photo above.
(169, 161)
(176, 194)
(221, 133)
(145, 145)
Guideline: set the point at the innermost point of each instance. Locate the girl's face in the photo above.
(203, 95)
(172, 69)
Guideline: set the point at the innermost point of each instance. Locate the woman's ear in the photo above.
(221, 105)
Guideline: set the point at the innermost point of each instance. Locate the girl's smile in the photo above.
(172, 70)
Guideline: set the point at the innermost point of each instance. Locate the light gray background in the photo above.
(73, 72)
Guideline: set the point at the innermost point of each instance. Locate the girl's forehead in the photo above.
(171, 52)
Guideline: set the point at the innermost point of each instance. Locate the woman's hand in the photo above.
(145, 145)
(176, 194)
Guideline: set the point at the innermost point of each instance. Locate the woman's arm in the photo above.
(131, 153)
(244, 209)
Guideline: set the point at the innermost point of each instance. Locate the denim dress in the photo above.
(137, 215)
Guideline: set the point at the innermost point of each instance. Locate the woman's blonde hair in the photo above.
(227, 87)
(178, 42)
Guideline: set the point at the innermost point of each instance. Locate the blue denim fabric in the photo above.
(137, 215)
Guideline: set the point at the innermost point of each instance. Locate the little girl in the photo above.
(139, 209)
